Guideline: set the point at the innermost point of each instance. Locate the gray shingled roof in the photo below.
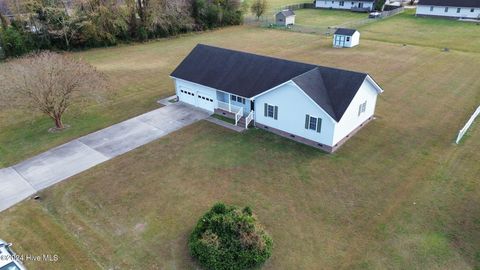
(287, 13)
(450, 3)
(248, 75)
(345, 31)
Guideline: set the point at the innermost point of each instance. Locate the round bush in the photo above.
(227, 237)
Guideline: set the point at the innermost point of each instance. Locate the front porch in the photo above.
(242, 121)
(235, 107)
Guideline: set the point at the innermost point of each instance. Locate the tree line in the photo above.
(77, 24)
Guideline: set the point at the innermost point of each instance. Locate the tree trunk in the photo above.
(58, 121)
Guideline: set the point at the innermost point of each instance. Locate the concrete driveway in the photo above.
(28, 177)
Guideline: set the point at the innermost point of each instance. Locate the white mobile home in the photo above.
(315, 105)
(346, 38)
(356, 5)
(466, 9)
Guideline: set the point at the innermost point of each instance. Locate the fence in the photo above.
(268, 20)
(388, 13)
(297, 6)
(467, 125)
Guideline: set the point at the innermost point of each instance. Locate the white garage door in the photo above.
(205, 101)
(198, 99)
(187, 96)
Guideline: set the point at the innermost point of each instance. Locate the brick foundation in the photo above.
(323, 147)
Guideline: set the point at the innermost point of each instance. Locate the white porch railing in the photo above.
(248, 119)
(467, 125)
(228, 107)
(238, 115)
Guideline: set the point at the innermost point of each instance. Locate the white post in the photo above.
(229, 103)
(467, 125)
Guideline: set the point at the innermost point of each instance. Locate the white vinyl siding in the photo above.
(367, 94)
(346, 41)
(293, 106)
(444, 11)
(342, 4)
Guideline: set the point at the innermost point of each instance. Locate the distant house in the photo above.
(315, 105)
(469, 9)
(356, 5)
(346, 38)
(285, 18)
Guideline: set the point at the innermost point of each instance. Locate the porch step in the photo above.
(241, 122)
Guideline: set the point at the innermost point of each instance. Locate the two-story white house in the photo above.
(354, 5)
(466, 9)
(315, 105)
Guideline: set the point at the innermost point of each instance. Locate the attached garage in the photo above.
(205, 101)
(196, 95)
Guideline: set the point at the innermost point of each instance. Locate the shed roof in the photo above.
(286, 12)
(248, 75)
(451, 3)
(345, 31)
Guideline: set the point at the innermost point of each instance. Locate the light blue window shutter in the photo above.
(319, 125)
(307, 121)
(275, 113)
(266, 109)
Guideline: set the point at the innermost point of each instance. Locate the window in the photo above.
(271, 111)
(446, 9)
(313, 123)
(362, 107)
(238, 99)
(472, 10)
(353, 3)
(431, 8)
(458, 10)
(342, 3)
(348, 39)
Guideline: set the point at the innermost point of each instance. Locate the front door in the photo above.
(360, 5)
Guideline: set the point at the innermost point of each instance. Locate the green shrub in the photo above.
(227, 237)
(13, 42)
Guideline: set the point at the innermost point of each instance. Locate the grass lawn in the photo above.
(432, 32)
(139, 73)
(323, 18)
(224, 118)
(398, 195)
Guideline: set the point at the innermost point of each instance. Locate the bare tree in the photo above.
(50, 83)
(259, 7)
